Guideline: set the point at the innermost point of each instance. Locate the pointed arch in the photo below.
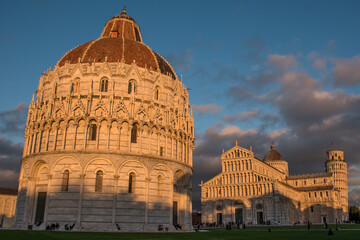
(134, 132)
(131, 86)
(104, 84)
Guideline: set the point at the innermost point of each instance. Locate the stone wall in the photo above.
(7, 210)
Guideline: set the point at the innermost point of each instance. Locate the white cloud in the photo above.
(282, 62)
(236, 131)
(347, 71)
(319, 63)
(241, 116)
(323, 95)
(249, 114)
(207, 109)
(277, 133)
(326, 123)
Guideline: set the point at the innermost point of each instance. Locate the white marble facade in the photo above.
(7, 207)
(254, 191)
(109, 139)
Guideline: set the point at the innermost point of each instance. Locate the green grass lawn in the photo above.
(261, 232)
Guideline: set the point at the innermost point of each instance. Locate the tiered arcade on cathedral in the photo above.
(252, 191)
(109, 139)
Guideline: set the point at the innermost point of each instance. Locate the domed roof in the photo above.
(123, 15)
(273, 155)
(120, 41)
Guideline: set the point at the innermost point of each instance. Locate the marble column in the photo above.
(113, 222)
(78, 222)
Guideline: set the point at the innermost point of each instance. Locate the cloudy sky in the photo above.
(286, 72)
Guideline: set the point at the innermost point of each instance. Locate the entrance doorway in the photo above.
(238, 216)
(324, 219)
(40, 207)
(175, 213)
(260, 217)
(219, 218)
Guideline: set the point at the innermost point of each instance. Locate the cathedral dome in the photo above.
(274, 159)
(273, 155)
(120, 41)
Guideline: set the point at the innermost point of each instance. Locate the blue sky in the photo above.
(260, 71)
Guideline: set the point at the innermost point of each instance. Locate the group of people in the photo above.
(162, 228)
(52, 226)
(69, 227)
(228, 226)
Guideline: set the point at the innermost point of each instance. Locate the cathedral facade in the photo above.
(108, 140)
(254, 191)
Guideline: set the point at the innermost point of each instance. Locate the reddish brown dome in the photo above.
(120, 41)
(273, 155)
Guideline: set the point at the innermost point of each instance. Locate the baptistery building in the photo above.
(108, 140)
(254, 191)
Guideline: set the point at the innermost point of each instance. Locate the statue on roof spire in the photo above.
(272, 146)
(124, 9)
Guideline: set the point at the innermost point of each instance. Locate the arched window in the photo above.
(65, 181)
(156, 94)
(160, 181)
(92, 132)
(99, 181)
(104, 85)
(131, 87)
(75, 88)
(134, 134)
(131, 183)
(161, 151)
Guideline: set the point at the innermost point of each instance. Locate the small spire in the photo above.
(272, 147)
(124, 10)
(236, 142)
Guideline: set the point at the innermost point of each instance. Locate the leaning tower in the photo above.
(337, 166)
(109, 139)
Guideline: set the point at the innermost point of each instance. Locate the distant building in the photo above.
(196, 217)
(109, 139)
(7, 207)
(252, 191)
